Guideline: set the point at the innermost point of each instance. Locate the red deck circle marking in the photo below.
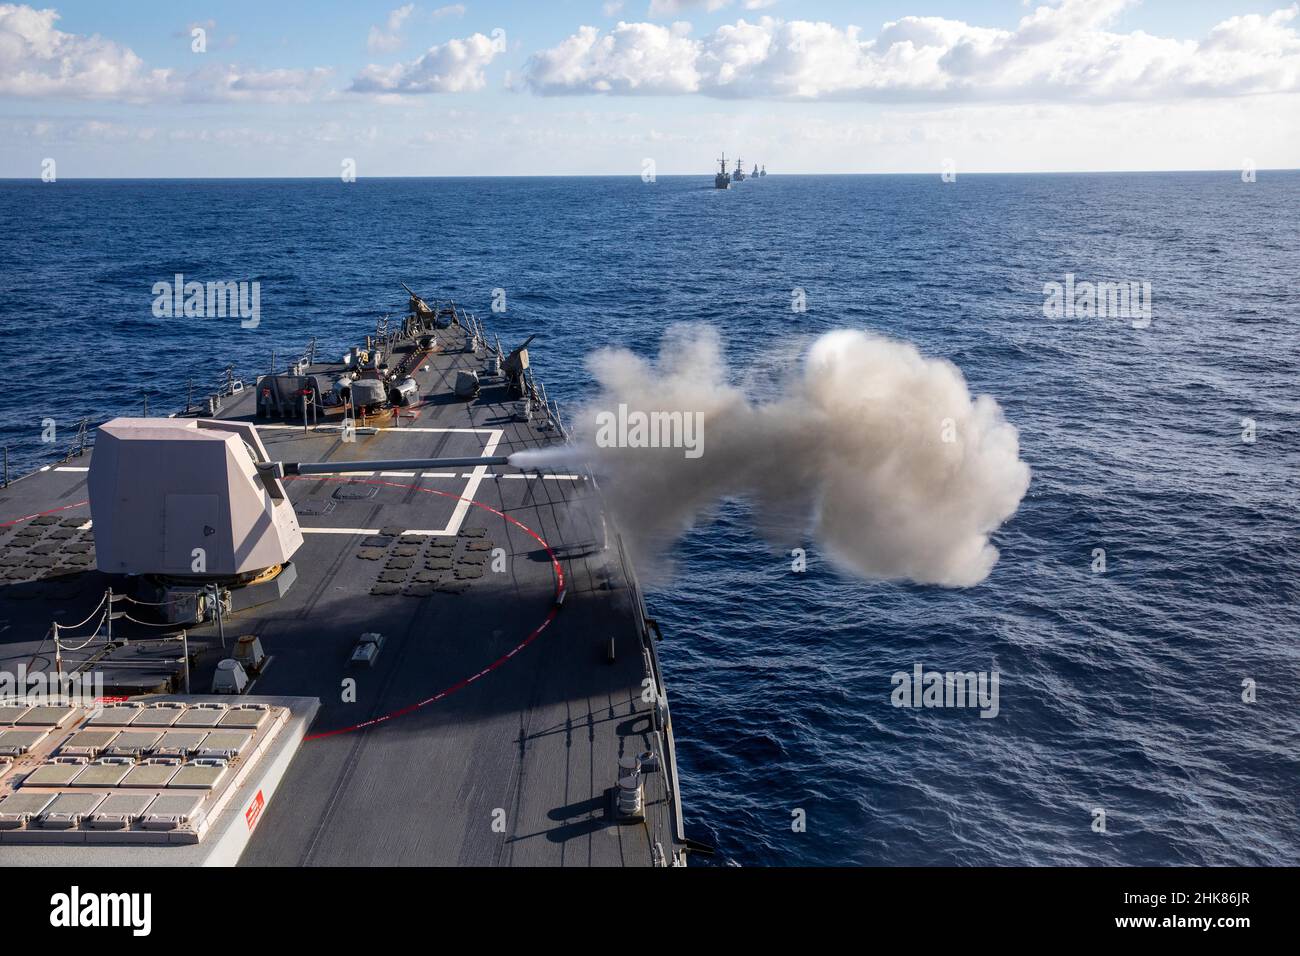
(463, 682)
(41, 514)
(503, 659)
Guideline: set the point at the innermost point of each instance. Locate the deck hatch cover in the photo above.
(225, 743)
(55, 773)
(245, 717)
(48, 715)
(17, 808)
(171, 811)
(119, 811)
(68, 809)
(105, 772)
(201, 715)
(116, 716)
(355, 491)
(132, 743)
(87, 743)
(179, 743)
(314, 507)
(17, 742)
(201, 774)
(155, 773)
(160, 715)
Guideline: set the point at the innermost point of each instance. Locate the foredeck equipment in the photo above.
(266, 543)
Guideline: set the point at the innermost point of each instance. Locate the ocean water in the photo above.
(1119, 691)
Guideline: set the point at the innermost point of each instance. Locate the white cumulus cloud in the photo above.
(453, 67)
(389, 37)
(630, 58)
(36, 59)
(39, 60)
(1061, 52)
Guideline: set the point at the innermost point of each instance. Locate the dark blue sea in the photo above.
(1120, 691)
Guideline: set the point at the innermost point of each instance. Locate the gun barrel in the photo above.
(397, 464)
(512, 358)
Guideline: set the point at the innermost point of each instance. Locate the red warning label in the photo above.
(254, 810)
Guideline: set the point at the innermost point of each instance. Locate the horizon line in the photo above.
(335, 178)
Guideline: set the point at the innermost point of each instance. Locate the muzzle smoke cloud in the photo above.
(878, 453)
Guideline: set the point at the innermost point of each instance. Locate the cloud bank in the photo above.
(1063, 52)
(1068, 52)
(38, 60)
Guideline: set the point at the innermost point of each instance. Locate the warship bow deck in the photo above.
(509, 683)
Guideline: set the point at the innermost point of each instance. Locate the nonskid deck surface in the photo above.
(492, 719)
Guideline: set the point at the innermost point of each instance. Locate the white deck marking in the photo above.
(471, 488)
(68, 468)
(400, 428)
(474, 477)
(425, 531)
(452, 474)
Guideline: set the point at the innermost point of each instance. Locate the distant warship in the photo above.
(722, 180)
(739, 175)
(764, 171)
(755, 174)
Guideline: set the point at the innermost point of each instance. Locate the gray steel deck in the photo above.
(513, 767)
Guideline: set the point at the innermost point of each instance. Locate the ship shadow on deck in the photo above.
(28, 608)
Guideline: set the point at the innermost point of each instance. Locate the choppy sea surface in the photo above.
(1120, 690)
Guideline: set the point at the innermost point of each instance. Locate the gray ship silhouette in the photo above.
(324, 622)
(723, 179)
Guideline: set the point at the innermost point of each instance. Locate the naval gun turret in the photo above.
(179, 504)
(162, 489)
(195, 508)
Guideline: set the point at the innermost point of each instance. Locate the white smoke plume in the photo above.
(875, 451)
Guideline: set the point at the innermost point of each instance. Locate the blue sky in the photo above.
(294, 89)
